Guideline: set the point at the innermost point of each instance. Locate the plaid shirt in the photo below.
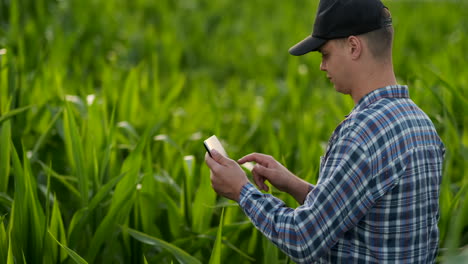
(376, 200)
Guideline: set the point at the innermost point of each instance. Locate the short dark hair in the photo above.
(380, 40)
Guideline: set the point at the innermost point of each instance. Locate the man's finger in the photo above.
(218, 157)
(263, 171)
(256, 157)
(213, 164)
(260, 182)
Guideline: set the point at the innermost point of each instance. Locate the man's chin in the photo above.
(341, 89)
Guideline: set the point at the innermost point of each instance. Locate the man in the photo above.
(376, 200)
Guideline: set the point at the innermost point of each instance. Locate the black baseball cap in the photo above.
(341, 19)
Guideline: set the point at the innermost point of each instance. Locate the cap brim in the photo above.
(307, 45)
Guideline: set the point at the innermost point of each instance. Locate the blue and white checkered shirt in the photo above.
(376, 200)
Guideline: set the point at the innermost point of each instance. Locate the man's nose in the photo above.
(323, 66)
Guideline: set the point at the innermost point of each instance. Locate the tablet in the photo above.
(213, 143)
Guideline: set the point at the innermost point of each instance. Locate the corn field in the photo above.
(104, 105)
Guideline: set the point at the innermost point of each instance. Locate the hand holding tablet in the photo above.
(213, 143)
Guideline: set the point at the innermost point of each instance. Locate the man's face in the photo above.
(335, 64)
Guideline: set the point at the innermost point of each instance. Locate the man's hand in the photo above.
(267, 168)
(227, 177)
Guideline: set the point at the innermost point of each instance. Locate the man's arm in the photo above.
(332, 207)
(342, 197)
(228, 178)
(267, 168)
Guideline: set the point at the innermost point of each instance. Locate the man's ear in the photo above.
(354, 46)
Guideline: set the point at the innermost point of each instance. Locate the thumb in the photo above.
(218, 157)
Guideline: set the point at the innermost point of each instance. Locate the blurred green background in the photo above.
(104, 106)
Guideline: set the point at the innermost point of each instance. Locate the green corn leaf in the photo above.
(10, 257)
(148, 197)
(57, 229)
(122, 199)
(189, 167)
(65, 180)
(75, 152)
(204, 202)
(5, 98)
(76, 225)
(44, 135)
(15, 17)
(107, 225)
(12, 113)
(238, 250)
(210, 234)
(110, 137)
(458, 224)
(253, 240)
(3, 242)
(47, 245)
(216, 253)
(36, 213)
(6, 200)
(175, 215)
(81, 216)
(27, 215)
(270, 251)
(77, 258)
(19, 221)
(129, 130)
(128, 107)
(173, 93)
(5, 137)
(104, 191)
(182, 256)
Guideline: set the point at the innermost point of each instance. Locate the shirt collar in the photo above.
(391, 91)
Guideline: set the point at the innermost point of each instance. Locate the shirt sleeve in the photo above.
(336, 204)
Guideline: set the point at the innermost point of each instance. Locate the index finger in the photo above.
(258, 158)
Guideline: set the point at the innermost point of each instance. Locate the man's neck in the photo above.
(373, 79)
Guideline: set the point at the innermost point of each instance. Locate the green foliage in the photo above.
(72, 253)
(179, 254)
(104, 106)
(216, 254)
